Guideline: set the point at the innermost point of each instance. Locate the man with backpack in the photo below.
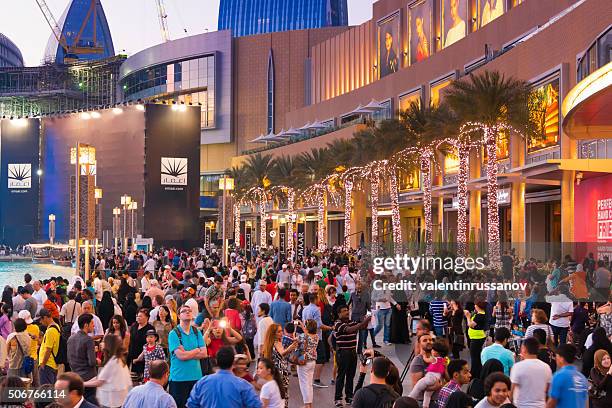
(378, 394)
(51, 353)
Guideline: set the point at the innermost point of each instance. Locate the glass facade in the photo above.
(248, 17)
(10, 56)
(80, 18)
(188, 81)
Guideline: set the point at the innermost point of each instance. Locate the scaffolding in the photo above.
(54, 89)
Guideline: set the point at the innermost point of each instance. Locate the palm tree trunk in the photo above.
(237, 225)
(462, 198)
(348, 211)
(321, 244)
(263, 242)
(291, 212)
(374, 186)
(490, 134)
(395, 213)
(425, 171)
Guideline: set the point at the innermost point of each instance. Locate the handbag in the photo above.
(27, 365)
(459, 339)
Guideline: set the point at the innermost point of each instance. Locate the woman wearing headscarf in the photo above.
(129, 309)
(459, 399)
(600, 394)
(600, 342)
(476, 389)
(106, 309)
(577, 281)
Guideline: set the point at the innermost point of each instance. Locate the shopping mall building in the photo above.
(286, 93)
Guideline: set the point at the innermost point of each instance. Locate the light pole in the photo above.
(98, 196)
(225, 184)
(51, 228)
(116, 214)
(125, 202)
(83, 157)
(133, 207)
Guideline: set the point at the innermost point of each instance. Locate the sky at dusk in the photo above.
(133, 23)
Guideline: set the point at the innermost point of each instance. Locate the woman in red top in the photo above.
(219, 334)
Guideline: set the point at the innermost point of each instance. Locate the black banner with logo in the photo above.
(172, 172)
(282, 238)
(301, 239)
(19, 181)
(248, 240)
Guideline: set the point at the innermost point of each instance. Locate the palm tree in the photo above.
(258, 169)
(490, 103)
(425, 135)
(283, 175)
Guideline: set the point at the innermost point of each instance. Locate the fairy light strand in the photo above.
(348, 209)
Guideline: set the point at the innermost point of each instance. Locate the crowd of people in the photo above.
(173, 328)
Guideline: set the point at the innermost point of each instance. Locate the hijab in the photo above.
(599, 355)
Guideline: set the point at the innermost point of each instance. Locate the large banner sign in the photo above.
(593, 216)
(301, 239)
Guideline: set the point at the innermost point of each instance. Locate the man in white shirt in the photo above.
(561, 310)
(149, 265)
(87, 308)
(530, 377)
(283, 276)
(71, 310)
(39, 294)
(245, 286)
(260, 296)
(262, 327)
(145, 282)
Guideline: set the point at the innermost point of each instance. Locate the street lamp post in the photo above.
(116, 214)
(133, 207)
(98, 196)
(83, 157)
(225, 184)
(125, 202)
(51, 228)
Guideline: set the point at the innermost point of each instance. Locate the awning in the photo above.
(317, 125)
(586, 108)
(373, 106)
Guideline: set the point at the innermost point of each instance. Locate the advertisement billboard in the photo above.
(454, 16)
(420, 24)
(389, 45)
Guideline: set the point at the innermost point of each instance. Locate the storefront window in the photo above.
(451, 163)
(436, 91)
(409, 180)
(209, 185)
(544, 108)
(384, 113)
(406, 99)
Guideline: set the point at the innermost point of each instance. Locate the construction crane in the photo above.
(75, 49)
(163, 20)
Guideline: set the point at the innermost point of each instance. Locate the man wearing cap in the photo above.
(34, 333)
(190, 300)
(260, 296)
(283, 276)
(47, 370)
(81, 354)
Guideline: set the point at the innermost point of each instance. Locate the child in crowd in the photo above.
(297, 356)
(150, 352)
(434, 372)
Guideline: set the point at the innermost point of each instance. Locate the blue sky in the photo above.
(134, 23)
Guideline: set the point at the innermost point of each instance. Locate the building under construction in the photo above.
(80, 72)
(53, 88)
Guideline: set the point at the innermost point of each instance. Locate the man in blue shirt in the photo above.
(499, 351)
(569, 388)
(186, 347)
(152, 394)
(223, 389)
(280, 309)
